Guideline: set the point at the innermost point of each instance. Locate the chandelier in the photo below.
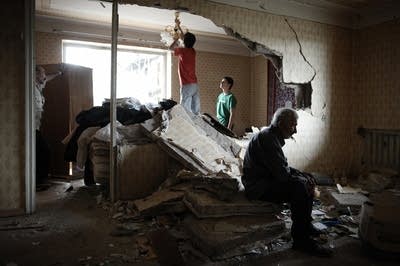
(172, 32)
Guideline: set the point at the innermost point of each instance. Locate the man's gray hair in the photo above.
(283, 114)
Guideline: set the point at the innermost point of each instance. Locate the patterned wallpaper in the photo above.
(376, 79)
(211, 68)
(376, 76)
(259, 91)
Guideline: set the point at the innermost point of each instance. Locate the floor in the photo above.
(70, 227)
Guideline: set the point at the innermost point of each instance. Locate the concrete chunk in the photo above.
(204, 205)
(216, 236)
(160, 202)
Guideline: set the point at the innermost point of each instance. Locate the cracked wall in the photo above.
(323, 142)
(302, 90)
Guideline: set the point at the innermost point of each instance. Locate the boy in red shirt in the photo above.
(190, 98)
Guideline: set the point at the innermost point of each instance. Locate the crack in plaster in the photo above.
(301, 51)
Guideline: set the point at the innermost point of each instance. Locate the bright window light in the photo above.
(142, 73)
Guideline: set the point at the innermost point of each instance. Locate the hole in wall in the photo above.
(302, 91)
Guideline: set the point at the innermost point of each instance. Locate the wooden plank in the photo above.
(156, 199)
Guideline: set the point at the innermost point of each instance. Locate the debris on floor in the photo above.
(216, 236)
(200, 215)
(206, 207)
(348, 201)
(379, 227)
(202, 211)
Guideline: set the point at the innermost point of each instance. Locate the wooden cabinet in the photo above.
(65, 97)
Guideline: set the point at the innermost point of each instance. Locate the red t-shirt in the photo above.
(187, 65)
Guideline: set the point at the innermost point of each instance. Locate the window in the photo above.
(142, 73)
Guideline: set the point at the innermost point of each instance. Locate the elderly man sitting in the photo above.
(267, 176)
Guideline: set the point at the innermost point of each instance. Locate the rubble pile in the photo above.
(201, 213)
(196, 217)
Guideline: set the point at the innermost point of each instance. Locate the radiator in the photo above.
(381, 148)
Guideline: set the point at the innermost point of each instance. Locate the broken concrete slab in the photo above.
(192, 141)
(222, 187)
(204, 205)
(227, 143)
(343, 201)
(161, 202)
(216, 236)
(182, 156)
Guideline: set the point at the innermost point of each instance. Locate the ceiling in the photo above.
(346, 13)
(143, 24)
(138, 25)
(129, 15)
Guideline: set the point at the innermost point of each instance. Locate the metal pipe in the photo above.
(113, 115)
(30, 143)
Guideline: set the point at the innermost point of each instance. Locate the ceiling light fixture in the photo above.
(172, 32)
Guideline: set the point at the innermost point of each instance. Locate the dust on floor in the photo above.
(71, 228)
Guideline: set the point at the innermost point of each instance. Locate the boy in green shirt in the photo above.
(226, 103)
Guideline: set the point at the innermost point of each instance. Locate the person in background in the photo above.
(267, 176)
(226, 103)
(42, 147)
(189, 90)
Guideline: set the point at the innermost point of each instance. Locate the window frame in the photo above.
(166, 93)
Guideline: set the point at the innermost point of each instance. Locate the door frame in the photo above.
(30, 133)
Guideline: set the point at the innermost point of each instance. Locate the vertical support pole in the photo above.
(113, 109)
(30, 136)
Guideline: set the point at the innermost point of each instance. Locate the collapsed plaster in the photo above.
(303, 91)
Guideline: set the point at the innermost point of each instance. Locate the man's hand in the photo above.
(307, 178)
(176, 35)
(308, 184)
(310, 178)
(311, 184)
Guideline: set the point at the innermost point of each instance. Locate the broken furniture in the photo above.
(65, 96)
(141, 166)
